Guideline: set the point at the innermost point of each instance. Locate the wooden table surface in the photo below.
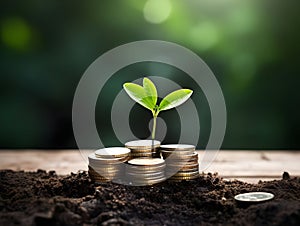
(249, 166)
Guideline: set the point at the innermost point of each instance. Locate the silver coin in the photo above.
(139, 150)
(146, 177)
(144, 169)
(145, 154)
(142, 144)
(112, 151)
(93, 159)
(146, 162)
(254, 197)
(176, 152)
(180, 178)
(182, 147)
(182, 158)
(147, 182)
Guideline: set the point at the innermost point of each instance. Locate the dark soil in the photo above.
(44, 198)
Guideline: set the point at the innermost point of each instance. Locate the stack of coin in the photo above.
(181, 161)
(107, 164)
(143, 148)
(145, 171)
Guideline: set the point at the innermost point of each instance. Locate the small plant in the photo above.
(146, 96)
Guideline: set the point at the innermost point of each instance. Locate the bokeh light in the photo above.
(251, 46)
(157, 11)
(16, 33)
(205, 35)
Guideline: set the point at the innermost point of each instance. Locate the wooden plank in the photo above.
(250, 166)
(62, 161)
(258, 163)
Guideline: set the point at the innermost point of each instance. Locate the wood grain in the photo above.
(249, 166)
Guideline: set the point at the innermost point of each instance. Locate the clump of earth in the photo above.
(44, 198)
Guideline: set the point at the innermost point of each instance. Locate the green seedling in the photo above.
(146, 96)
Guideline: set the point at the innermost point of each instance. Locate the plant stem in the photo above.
(154, 127)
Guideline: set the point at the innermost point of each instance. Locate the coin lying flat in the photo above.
(148, 176)
(139, 150)
(254, 197)
(142, 154)
(183, 178)
(167, 153)
(146, 161)
(181, 161)
(104, 174)
(193, 155)
(143, 169)
(93, 159)
(184, 167)
(186, 174)
(182, 147)
(143, 148)
(112, 152)
(108, 167)
(95, 177)
(149, 182)
(177, 150)
(106, 164)
(142, 144)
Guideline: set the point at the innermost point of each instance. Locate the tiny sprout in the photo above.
(146, 96)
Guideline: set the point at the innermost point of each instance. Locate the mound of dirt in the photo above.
(44, 198)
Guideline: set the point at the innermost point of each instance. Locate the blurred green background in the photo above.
(251, 46)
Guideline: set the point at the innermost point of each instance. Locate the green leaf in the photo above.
(150, 90)
(138, 94)
(175, 99)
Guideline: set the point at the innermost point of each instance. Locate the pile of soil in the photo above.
(44, 198)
